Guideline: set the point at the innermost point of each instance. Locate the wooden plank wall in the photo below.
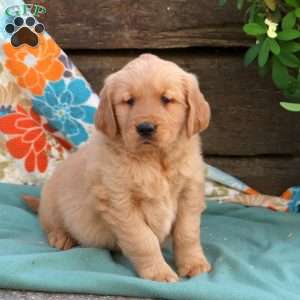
(250, 135)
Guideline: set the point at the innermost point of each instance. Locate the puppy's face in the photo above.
(149, 103)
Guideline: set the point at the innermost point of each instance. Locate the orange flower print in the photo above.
(30, 138)
(34, 66)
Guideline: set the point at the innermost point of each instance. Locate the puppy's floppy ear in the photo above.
(105, 119)
(198, 109)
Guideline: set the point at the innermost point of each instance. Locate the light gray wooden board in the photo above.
(246, 117)
(139, 24)
(22, 295)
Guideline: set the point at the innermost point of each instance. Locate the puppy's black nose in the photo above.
(146, 129)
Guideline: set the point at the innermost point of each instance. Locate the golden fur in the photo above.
(122, 192)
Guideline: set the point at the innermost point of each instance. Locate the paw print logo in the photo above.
(24, 31)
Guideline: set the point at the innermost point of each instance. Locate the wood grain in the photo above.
(138, 24)
(246, 116)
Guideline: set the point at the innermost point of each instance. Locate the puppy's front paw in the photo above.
(60, 240)
(193, 266)
(162, 273)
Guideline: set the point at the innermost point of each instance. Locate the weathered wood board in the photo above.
(22, 295)
(246, 116)
(140, 24)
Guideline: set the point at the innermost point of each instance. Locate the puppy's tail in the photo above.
(32, 202)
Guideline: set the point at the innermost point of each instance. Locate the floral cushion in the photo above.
(46, 106)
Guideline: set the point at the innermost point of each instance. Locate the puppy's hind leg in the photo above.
(61, 240)
(53, 224)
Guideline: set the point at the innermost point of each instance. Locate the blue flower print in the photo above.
(64, 106)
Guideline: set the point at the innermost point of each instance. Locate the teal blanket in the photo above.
(254, 253)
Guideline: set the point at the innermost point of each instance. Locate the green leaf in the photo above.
(297, 12)
(295, 107)
(289, 59)
(264, 53)
(270, 4)
(289, 21)
(288, 34)
(293, 3)
(240, 4)
(293, 95)
(259, 19)
(263, 71)
(252, 12)
(293, 91)
(251, 54)
(275, 48)
(290, 46)
(280, 74)
(254, 29)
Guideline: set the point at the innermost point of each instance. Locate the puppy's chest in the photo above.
(156, 199)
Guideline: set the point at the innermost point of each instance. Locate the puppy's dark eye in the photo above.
(130, 102)
(165, 100)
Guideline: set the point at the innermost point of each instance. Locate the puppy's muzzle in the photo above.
(146, 129)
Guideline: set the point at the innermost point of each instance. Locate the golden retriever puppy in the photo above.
(140, 177)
